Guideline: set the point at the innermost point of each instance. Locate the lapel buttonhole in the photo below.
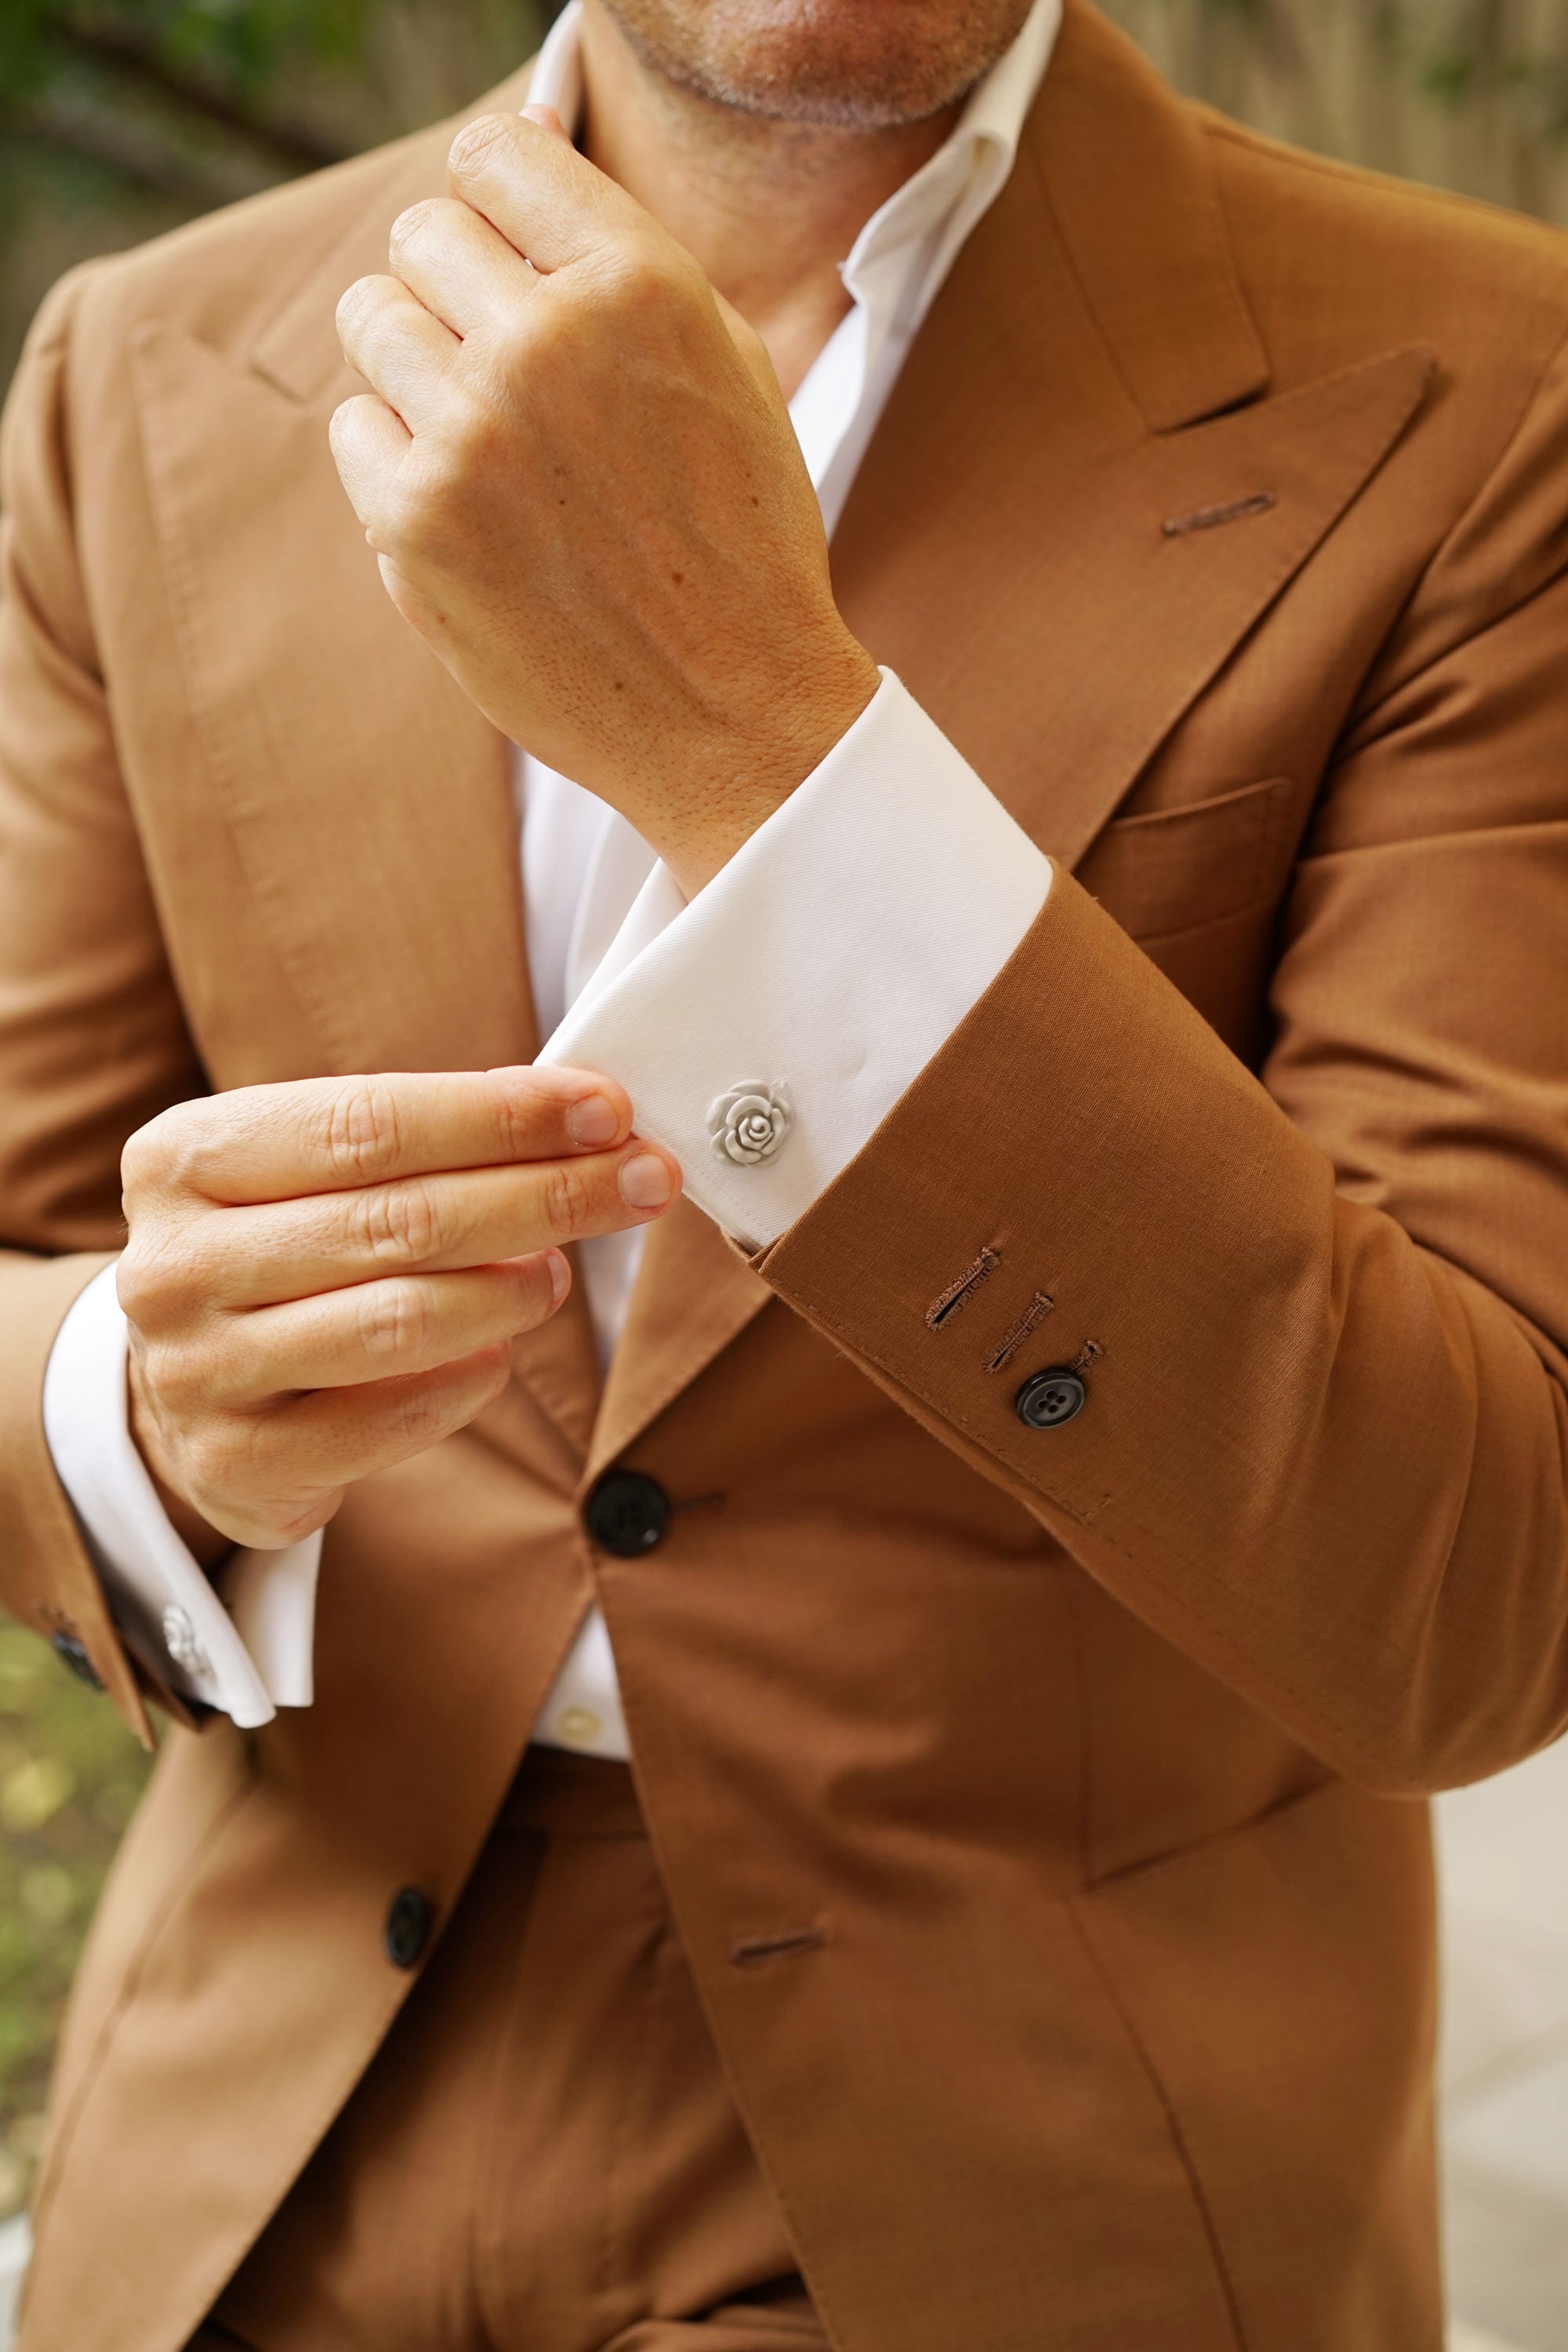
(1211, 518)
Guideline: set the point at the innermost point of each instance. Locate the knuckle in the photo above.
(363, 1129)
(413, 223)
(392, 1321)
(477, 141)
(155, 1155)
(422, 1413)
(155, 1281)
(404, 1225)
(566, 1198)
(356, 303)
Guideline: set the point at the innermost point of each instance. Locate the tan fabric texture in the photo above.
(544, 2150)
(1221, 517)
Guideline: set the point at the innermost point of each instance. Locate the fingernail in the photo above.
(646, 1181)
(595, 1120)
(560, 1276)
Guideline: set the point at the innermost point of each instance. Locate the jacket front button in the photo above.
(1049, 1398)
(408, 1924)
(627, 1513)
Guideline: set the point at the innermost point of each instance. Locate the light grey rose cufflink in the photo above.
(180, 1641)
(749, 1122)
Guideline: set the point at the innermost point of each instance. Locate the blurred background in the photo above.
(120, 118)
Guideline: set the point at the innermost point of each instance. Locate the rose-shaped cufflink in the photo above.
(180, 1641)
(749, 1122)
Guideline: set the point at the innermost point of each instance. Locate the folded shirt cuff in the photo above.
(765, 1029)
(245, 1652)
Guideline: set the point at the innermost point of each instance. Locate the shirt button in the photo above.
(627, 1513)
(409, 1919)
(1049, 1398)
(580, 1726)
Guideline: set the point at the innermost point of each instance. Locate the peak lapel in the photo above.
(1089, 374)
(371, 802)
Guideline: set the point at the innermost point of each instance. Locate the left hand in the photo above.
(580, 478)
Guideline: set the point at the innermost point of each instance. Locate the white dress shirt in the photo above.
(826, 963)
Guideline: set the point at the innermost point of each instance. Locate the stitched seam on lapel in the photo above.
(214, 744)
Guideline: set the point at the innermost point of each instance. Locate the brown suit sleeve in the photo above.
(92, 1042)
(1324, 1440)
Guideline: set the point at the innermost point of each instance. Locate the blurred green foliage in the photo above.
(70, 1774)
(245, 40)
(123, 118)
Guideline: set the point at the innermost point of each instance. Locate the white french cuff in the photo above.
(765, 1030)
(248, 1653)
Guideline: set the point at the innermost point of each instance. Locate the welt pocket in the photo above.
(1169, 869)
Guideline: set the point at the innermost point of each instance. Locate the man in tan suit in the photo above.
(892, 1816)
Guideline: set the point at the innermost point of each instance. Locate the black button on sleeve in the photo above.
(73, 1654)
(627, 1513)
(1048, 1399)
(409, 1921)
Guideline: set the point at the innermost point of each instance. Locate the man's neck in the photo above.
(769, 208)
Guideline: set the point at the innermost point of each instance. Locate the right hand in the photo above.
(324, 1278)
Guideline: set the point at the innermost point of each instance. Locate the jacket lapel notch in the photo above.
(1126, 171)
(296, 350)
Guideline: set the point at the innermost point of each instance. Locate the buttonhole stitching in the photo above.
(1033, 1316)
(747, 1950)
(958, 1293)
(1087, 1354)
(698, 1503)
(1210, 518)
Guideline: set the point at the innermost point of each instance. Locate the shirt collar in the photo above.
(960, 180)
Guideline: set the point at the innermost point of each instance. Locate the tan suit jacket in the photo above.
(1221, 517)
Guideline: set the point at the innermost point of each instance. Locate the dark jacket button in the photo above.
(1048, 1399)
(627, 1513)
(73, 1654)
(408, 1924)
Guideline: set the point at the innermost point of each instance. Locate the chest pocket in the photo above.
(1199, 888)
(1172, 869)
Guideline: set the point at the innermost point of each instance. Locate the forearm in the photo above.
(1315, 1456)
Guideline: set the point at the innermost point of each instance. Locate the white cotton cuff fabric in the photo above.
(833, 955)
(258, 1638)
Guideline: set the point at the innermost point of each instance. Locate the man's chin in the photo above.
(839, 64)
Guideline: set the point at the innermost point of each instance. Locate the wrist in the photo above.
(755, 775)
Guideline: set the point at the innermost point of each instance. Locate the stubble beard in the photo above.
(850, 65)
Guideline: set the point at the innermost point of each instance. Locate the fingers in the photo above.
(546, 200)
(369, 445)
(377, 1330)
(461, 267)
(402, 351)
(270, 1478)
(328, 1135)
(256, 1256)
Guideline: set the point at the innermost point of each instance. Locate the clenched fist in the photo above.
(580, 477)
(324, 1279)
